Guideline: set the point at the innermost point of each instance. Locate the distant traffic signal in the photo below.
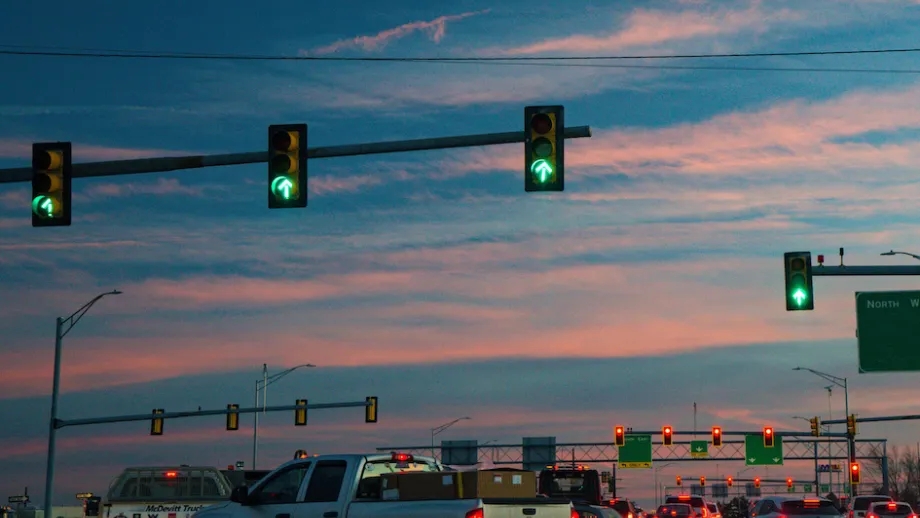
(287, 166)
(51, 180)
(679, 480)
(370, 411)
(619, 435)
(854, 473)
(789, 482)
(544, 158)
(717, 436)
(768, 436)
(667, 437)
(729, 481)
(233, 417)
(300, 413)
(799, 289)
(156, 425)
(851, 425)
(815, 426)
(757, 482)
(702, 481)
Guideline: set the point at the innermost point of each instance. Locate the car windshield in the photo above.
(712, 508)
(694, 501)
(679, 510)
(862, 503)
(809, 507)
(621, 506)
(885, 509)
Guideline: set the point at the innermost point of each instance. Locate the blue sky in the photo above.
(431, 279)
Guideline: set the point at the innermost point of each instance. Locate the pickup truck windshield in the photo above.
(370, 484)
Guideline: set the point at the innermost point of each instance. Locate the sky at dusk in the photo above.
(431, 279)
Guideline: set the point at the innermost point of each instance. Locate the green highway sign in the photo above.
(790, 489)
(636, 453)
(806, 488)
(888, 330)
(825, 488)
(756, 454)
(699, 449)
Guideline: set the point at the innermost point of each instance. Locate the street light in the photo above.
(262, 384)
(895, 252)
(840, 382)
(657, 485)
(438, 429)
(59, 333)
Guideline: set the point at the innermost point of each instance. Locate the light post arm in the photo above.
(78, 314)
(895, 252)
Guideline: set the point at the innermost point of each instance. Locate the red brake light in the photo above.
(892, 505)
(171, 474)
(405, 457)
(573, 514)
(477, 513)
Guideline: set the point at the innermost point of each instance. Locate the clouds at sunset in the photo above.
(431, 279)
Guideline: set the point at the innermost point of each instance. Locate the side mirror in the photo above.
(240, 495)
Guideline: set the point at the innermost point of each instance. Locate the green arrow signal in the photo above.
(283, 187)
(799, 296)
(43, 206)
(541, 169)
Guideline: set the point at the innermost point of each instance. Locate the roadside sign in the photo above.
(825, 488)
(83, 496)
(636, 453)
(756, 454)
(699, 449)
(806, 488)
(790, 489)
(18, 499)
(888, 330)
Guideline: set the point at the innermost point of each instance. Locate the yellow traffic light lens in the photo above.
(541, 123)
(48, 160)
(45, 207)
(284, 141)
(47, 182)
(542, 147)
(283, 164)
(797, 263)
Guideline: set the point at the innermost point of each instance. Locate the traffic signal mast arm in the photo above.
(164, 164)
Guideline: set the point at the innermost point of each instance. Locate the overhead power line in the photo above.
(138, 54)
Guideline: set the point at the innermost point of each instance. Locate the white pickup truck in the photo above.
(349, 486)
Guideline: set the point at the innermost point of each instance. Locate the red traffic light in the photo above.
(756, 481)
(789, 482)
(768, 431)
(541, 123)
(729, 481)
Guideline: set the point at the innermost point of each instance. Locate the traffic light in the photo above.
(756, 482)
(768, 436)
(717, 436)
(702, 481)
(300, 413)
(370, 411)
(544, 158)
(51, 178)
(851, 425)
(156, 425)
(287, 166)
(799, 292)
(619, 435)
(854, 473)
(815, 426)
(667, 435)
(789, 482)
(680, 481)
(233, 417)
(729, 481)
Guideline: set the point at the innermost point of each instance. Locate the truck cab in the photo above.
(577, 483)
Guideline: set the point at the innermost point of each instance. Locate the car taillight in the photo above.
(477, 513)
(850, 515)
(704, 512)
(871, 515)
(572, 514)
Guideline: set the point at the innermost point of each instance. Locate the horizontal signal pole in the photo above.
(862, 271)
(912, 417)
(61, 423)
(705, 433)
(165, 164)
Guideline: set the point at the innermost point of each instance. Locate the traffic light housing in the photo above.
(702, 481)
(717, 436)
(851, 425)
(300, 413)
(815, 426)
(679, 480)
(854, 473)
(768, 437)
(287, 166)
(544, 150)
(233, 417)
(667, 435)
(757, 482)
(156, 425)
(619, 435)
(370, 411)
(729, 481)
(789, 482)
(51, 184)
(799, 288)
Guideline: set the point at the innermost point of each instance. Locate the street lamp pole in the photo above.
(657, 487)
(438, 429)
(262, 385)
(851, 440)
(59, 333)
(895, 252)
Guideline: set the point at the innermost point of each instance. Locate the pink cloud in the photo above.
(162, 186)
(645, 28)
(19, 148)
(436, 29)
